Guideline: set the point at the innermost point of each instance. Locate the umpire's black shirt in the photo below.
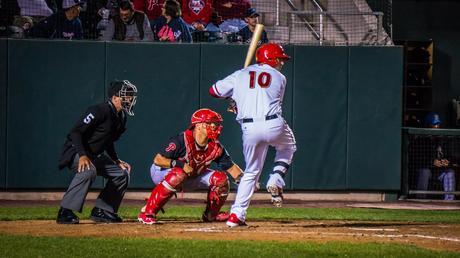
(95, 132)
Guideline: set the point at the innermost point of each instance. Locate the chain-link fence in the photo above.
(318, 22)
(431, 164)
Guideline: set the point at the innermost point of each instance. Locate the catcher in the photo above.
(184, 163)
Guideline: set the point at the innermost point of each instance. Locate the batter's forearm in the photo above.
(235, 171)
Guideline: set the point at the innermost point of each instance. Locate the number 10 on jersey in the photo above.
(263, 79)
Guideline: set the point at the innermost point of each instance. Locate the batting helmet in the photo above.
(270, 54)
(211, 118)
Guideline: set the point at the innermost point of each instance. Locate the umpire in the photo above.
(83, 152)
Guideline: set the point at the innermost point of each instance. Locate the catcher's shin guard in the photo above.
(164, 191)
(217, 194)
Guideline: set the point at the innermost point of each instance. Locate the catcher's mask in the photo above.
(127, 92)
(271, 54)
(212, 120)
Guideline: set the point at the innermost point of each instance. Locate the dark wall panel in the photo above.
(214, 69)
(343, 105)
(167, 78)
(374, 114)
(3, 88)
(320, 104)
(51, 83)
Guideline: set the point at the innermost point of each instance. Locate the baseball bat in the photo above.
(253, 46)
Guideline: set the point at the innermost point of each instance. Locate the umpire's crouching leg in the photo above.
(78, 189)
(117, 182)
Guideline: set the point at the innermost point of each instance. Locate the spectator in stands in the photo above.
(433, 155)
(231, 14)
(106, 12)
(152, 8)
(37, 9)
(90, 18)
(252, 19)
(197, 13)
(21, 25)
(128, 25)
(170, 26)
(64, 24)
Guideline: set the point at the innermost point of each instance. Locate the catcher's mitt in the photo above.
(232, 106)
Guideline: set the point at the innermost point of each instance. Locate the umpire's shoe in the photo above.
(66, 216)
(100, 215)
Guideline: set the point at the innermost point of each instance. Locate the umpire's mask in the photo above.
(127, 92)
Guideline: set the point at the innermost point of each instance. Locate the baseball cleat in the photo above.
(233, 221)
(146, 219)
(277, 195)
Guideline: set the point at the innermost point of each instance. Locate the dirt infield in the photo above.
(427, 235)
(437, 236)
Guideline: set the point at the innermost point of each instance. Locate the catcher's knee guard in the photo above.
(217, 194)
(165, 190)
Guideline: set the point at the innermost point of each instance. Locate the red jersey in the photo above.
(150, 7)
(197, 11)
(238, 9)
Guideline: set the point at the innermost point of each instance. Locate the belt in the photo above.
(250, 120)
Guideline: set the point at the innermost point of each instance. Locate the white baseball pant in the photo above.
(257, 137)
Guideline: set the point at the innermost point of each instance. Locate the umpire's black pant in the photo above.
(110, 197)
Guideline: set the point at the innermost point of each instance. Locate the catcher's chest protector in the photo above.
(200, 159)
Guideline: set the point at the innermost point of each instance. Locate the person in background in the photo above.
(231, 14)
(252, 19)
(89, 151)
(197, 13)
(152, 8)
(64, 24)
(170, 27)
(432, 157)
(128, 25)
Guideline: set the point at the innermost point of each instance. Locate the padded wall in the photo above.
(374, 117)
(343, 104)
(50, 84)
(320, 115)
(3, 87)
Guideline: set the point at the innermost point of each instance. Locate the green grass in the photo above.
(26, 246)
(256, 213)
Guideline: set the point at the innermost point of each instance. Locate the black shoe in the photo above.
(66, 216)
(100, 215)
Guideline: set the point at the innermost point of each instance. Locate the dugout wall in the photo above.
(343, 103)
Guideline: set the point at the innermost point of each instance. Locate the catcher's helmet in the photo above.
(211, 118)
(270, 54)
(127, 92)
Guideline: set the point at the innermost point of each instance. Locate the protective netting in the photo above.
(433, 158)
(312, 22)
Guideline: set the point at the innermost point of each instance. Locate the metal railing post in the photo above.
(277, 13)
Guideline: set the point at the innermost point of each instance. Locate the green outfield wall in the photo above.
(343, 104)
